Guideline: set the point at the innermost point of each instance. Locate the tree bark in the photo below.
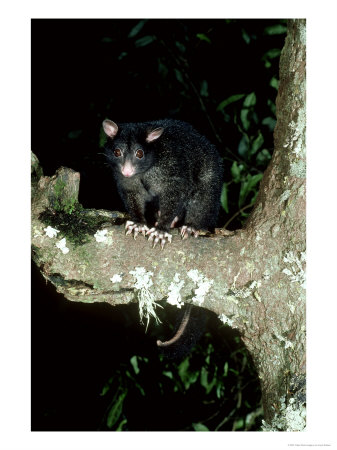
(254, 278)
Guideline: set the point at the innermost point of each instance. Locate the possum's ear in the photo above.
(110, 128)
(154, 134)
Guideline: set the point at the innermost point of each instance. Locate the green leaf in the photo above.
(219, 390)
(102, 138)
(204, 88)
(106, 388)
(229, 100)
(224, 197)
(272, 106)
(276, 29)
(243, 193)
(263, 157)
(146, 40)
(204, 380)
(115, 411)
(179, 76)
(162, 69)
(203, 37)
(274, 83)
(134, 363)
(203, 377)
(270, 122)
(236, 171)
(199, 427)
(136, 29)
(243, 146)
(239, 423)
(121, 424)
(271, 54)
(257, 143)
(247, 187)
(187, 377)
(141, 390)
(122, 55)
(244, 119)
(250, 100)
(210, 349)
(245, 36)
(225, 369)
(211, 386)
(168, 374)
(183, 369)
(181, 47)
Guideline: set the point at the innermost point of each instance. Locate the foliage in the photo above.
(227, 387)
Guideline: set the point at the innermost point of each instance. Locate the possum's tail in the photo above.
(180, 331)
(190, 329)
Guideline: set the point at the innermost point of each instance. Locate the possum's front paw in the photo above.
(159, 236)
(188, 231)
(135, 228)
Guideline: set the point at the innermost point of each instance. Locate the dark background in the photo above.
(136, 70)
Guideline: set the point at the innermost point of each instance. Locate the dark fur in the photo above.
(179, 175)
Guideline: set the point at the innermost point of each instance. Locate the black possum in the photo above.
(167, 175)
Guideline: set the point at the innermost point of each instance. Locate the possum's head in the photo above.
(128, 148)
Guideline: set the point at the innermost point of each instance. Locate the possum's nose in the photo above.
(128, 169)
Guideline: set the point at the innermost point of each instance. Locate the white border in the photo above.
(15, 299)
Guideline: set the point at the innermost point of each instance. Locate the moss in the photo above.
(36, 169)
(61, 201)
(73, 223)
(84, 255)
(98, 285)
(36, 251)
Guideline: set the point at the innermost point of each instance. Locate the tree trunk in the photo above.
(254, 278)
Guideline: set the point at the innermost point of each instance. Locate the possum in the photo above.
(167, 175)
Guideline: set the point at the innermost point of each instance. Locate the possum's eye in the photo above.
(117, 152)
(139, 153)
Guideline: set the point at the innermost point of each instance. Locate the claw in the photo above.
(183, 231)
(159, 236)
(135, 228)
(188, 231)
(128, 224)
(174, 221)
(155, 242)
(150, 232)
